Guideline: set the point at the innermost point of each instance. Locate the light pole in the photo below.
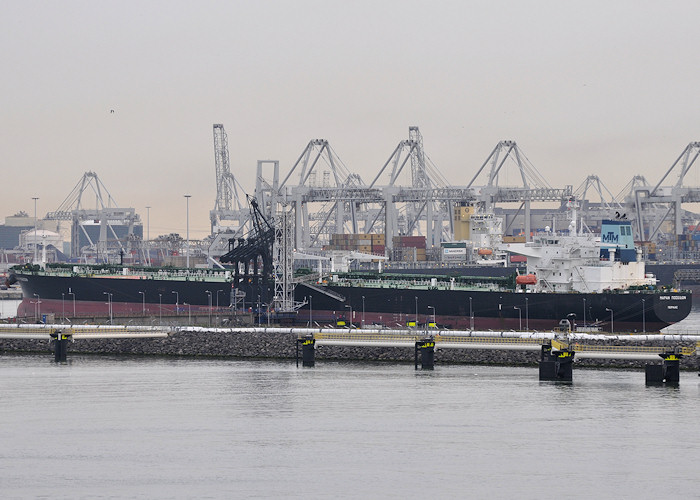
(433, 308)
(527, 315)
(520, 318)
(71, 293)
(471, 315)
(362, 323)
(209, 294)
(177, 302)
(38, 307)
(349, 307)
(189, 313)
(35, 221)
(109, 305)
(612, 319)
(187, 197)
(644, 317)
(148, 235)
(144, 303)
(416, 312)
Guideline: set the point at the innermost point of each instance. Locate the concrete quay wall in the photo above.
(267, 345)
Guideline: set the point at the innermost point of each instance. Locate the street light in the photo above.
(144, 302)
(311, 312)
(433, 308)
(189, 313)
(35, 221)
(148, 235)
(362, 324)
(520, 318)
(187, 197)
(471, 315)
(70, 292)
(527, 315)
(416, 312)
(612, 318)
(37, 309)
(177, 302)
(209, 294)
(109, 305)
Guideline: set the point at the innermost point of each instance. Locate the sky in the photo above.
(584, 88)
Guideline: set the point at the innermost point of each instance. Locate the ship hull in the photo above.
(497, 310)
(76, 296)
(94, 296)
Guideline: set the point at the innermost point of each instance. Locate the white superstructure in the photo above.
(575, 263)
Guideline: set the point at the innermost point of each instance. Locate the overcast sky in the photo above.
(609, 88)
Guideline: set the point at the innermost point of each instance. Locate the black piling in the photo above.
(60, 347)
(668, 372)
(426, 347)
(557, 365)
(308, 351)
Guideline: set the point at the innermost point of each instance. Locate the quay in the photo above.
(556, 351)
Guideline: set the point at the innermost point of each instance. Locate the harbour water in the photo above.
(103, 427)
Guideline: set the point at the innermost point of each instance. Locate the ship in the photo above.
(573, 281)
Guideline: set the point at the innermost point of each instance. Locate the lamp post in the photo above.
(144, 303)
(189, 313)
(612, 319)
(349, 307)
(37, 309)
(209, 294)
(148, 235)
(177, 302)
(416, 312)
(362, 323)
(520, 318)
(187, 197)
(70, 292)
(644, 316)
(433, 308)
(109, 305)
(35, 221)
(527, 315)
(471, 315)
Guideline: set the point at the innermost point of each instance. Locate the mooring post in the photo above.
(556, 364)
(667, 372)
(60, 346)
(426, 347)
(308, 350)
